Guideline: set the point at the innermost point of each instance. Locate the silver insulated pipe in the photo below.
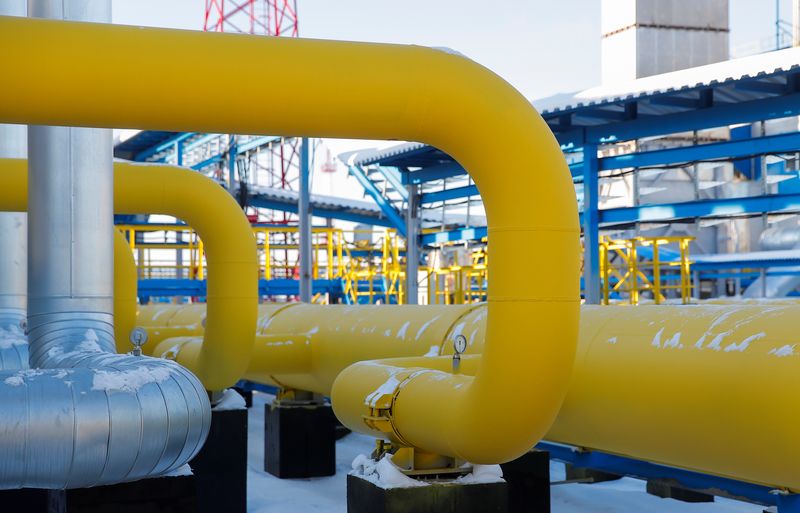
(85, 416)
(13, 244)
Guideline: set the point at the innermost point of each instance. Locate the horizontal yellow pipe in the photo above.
(232, 296)
(60, 75)
(706, 388)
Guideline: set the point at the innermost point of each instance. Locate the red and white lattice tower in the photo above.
(279, 164)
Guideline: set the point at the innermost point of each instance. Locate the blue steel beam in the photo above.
(393, 176)
(166, 287)
(448, 194)
(702, 208)
(693, 480)
(460, 234)
(386, 207)
(710, 117)
(164, 146)
(783, 143)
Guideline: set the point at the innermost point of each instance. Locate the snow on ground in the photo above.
(268, 494)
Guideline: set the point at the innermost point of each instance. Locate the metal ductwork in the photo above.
(85, 416)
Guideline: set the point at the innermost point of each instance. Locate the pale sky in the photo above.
(541, 47)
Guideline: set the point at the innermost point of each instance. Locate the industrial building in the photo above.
(581, 302)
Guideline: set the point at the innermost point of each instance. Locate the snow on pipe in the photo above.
(221, 352)
(436, 88)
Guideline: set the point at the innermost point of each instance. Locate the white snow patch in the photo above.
(657, 339)
(14, 381)
(674, 341)
(401, 333)
(483, 474)
(424, 327)
(388, 387)
(89, 342)
(787, 350)
(717, 341)
(433, 351)
(131, 380)
(741, 346)
(382, 473)
(231, 400)
(612, 340)
(183, 470)
(12, 336)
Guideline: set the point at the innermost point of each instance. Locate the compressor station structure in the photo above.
(439, 385)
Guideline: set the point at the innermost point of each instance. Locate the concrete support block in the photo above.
(528, 479)
(667, 490)
(299, 440)
(158, 495)
(588, 475)
(363, 496)
(220, 468)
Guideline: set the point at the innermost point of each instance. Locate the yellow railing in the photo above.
(457, 284)
(622, 263)
(355, 256)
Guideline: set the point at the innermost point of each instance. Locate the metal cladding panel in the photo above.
(702, 14)
(660, 50)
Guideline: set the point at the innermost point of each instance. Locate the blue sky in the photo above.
(541, 47)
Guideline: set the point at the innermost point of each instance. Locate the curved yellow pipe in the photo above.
(232, 290)
(61, 76)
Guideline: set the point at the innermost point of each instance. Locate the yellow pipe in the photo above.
(708, 388)
(61, 76)
(227, 341)
(125, 285)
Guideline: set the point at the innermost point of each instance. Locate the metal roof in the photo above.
(405, 155)
(766, 68)
(364, 209)
(140, 142)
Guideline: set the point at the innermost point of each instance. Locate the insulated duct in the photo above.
(61, 75)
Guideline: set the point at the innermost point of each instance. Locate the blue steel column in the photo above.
(412, 244)
(304, 224)
(591, 226)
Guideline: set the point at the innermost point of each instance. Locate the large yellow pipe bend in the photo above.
(63, 74)
(227, 342)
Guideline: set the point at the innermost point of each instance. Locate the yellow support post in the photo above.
(656, 274)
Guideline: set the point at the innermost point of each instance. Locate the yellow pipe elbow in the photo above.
(232, 289)
(419, 94)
